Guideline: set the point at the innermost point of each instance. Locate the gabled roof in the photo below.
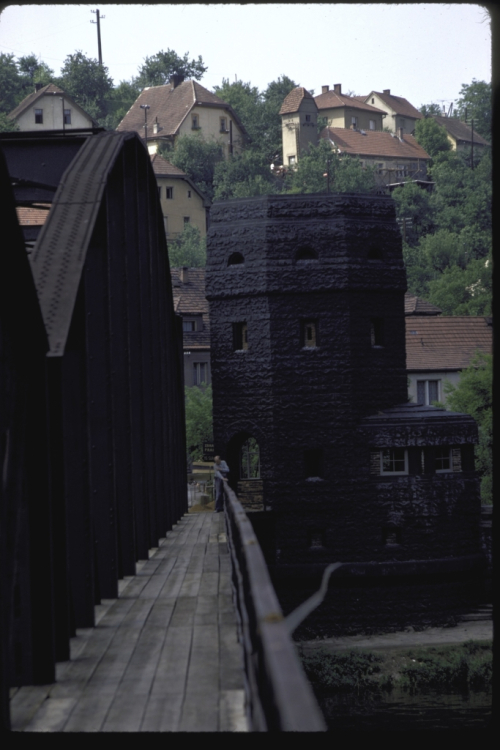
(293, 100)
(398, 104)
(417, 306)
(445, 342)
(459, 130)
(163, 168)
(374, 143)
(170, 106)
(331, 99)
(189, 299)
(52, 89)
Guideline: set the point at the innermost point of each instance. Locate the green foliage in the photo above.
(463, 291)
(347, 672)
(87, 82)
(33, 72)
(158, 69)
(243, 176)
(119, 102)
(474, 395)
(245, 99)
(430, 109)
(198, 159)
(189, 249)
(10, 83)
(6, 125)
(198, 404)
(431, 136)
(468, 667)
(346, 174)
(476, 98)
(416, 204)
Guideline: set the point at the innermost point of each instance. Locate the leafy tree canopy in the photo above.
(87, 82)
(431, 136)
(474, 396)
(158, 69)
(463, 291)
(198, 159)
(188, 250)
(430, 109)
(243, 176)
(321, 168)
(199, 428)
(245, 99)
(6, 125)
(10, 83)
(476, 98)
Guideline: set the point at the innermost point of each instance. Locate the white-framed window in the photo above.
(38, 116)
(443, 460)
(394, 461)
(428, 391)
(200, 373)
(67, 117)
(372, 124)
(169, 193)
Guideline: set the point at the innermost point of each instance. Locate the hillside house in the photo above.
(460, 135)
(50, 108)
(184, 108)
(400, 114)
(188, 287)
(181, 201)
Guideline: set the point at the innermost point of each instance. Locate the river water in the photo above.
(399, 709)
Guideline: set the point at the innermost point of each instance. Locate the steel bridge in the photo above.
(119, 610)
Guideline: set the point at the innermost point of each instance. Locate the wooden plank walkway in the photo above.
(163, 657)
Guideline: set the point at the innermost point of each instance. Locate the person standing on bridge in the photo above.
(221, 470)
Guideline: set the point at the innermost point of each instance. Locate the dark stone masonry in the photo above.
(306, 298)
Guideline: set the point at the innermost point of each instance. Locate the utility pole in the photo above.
(98, 32)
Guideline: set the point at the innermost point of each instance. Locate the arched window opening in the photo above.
(375, 253)
(250, 459)
(306, 254)
(235, 259)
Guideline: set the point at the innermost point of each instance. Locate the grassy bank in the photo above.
(465, 666)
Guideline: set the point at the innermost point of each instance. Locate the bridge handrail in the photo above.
(278, 693)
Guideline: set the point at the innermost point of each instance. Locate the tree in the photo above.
(199, 427)
(87, 82)
(198, 159)
(473, 395)
(431, 136)
(33, 72)
(246, 101)
(119, 101)
(10, 83)
(243, 176)
(6, 125)
(414, 203)
(188, 250)
(322, 169)
(158, 69)
(476, 98)
(272, 99)
(463, 291)
(430, 109)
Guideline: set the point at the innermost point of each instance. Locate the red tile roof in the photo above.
(375, 143)
(163, 167)
(330, 99)
(32, 216)
(445, 342)
(418, 306)
(293, 100)
(459, 130)
(189, 299)
(169, 107)
(398, 104)
(51, 88)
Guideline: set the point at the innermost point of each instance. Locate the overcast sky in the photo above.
(422, 52)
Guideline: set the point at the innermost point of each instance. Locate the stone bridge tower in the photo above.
(306, 300)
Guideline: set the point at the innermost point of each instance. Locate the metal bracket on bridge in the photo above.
(293, 620)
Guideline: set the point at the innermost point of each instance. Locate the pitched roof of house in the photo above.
(445, 342)
(417, 306)
(375, 143)
(51, 88)
(189, 299)
(398, 104)
(331, 99)
(170, 106)
(459, 130)
(163, 168)
(293, 100)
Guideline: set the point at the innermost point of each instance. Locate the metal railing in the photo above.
(279, 697)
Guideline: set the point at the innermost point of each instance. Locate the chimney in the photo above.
(184, 274)
(337, 87)
(387, 91)
(175, 80)
(155, 125)
(400, 134)
(324, 89)
(38, 86)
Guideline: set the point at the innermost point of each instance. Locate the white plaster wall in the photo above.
(452, 377)
(52, 115)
